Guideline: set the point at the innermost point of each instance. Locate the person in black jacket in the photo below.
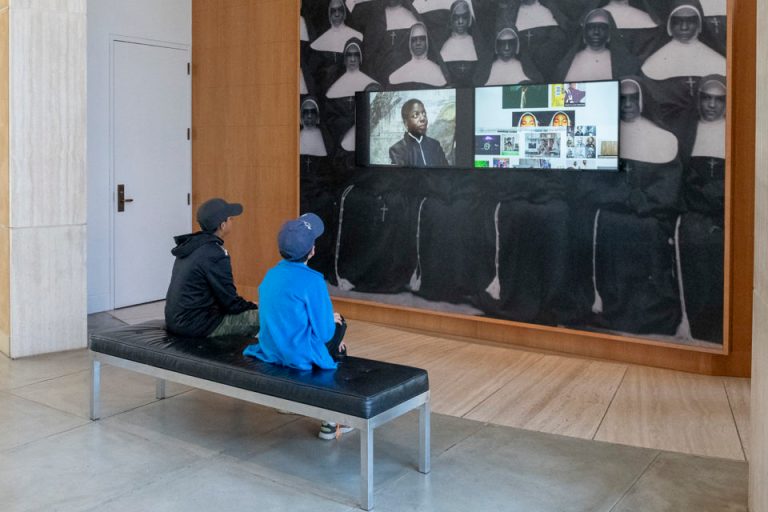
(202, 299)
(415, 149)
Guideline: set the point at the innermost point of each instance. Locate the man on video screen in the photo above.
(415, 149)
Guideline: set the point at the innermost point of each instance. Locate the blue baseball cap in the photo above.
(297, 237)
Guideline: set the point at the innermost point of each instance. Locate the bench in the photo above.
(361, 393)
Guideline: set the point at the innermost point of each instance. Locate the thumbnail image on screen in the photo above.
(412, 128)
(548, 126)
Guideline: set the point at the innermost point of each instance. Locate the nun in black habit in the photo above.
(526, 216)
(340, 97)
(344, 163)
(313, 138)
(633, 255)
(454, 237)
(436, 15)
(714, 31)
(306, 86)
(598, 52)
(684, 54)
(638, 22)
(421, 70)
(338, 32)
(317, 176)
(676, 67)
(509, 66)
(460, 51)
(542, 28)
(386, 46)
(700, 229)
(375, 246)
(325, 55)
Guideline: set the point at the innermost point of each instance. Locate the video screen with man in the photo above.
(411, 129)
(572, 126)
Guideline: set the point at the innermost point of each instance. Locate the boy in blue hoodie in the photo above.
(298, 327)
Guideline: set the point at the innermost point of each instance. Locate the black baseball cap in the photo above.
(214, 211)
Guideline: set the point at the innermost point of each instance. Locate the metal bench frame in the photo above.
(365, 426)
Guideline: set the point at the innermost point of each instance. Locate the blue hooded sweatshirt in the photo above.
(296, 318)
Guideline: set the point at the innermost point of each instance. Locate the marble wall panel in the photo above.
(5, 268)
(78, 6)
(4, 212)
(758, 457)
(5, 291)
(48, 290)
(48, 115)
(761, 167)
(761, 230)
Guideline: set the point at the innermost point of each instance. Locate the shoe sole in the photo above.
(329, 436)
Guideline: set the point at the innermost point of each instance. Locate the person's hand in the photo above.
(342, 346)
(337, 318)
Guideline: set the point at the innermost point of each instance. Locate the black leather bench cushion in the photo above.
(358, 387)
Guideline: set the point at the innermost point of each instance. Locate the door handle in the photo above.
(121, 199)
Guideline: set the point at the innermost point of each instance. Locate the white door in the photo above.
(151, 107)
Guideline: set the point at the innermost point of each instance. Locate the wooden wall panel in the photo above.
(553, 339)
(245, 148)
(245, 122)
(740, 209)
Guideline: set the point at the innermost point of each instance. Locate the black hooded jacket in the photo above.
(202, 290)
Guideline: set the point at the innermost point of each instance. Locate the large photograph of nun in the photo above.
(638, 252)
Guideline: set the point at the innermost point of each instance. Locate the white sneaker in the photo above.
(330, 430)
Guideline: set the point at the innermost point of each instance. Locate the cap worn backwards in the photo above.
(297, 237)
(214, 211)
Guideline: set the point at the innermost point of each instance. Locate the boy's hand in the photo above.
(337, 318)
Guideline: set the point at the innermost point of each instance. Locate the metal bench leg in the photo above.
(366, 468)
(424, 434)
(95, 411)
(160, 389)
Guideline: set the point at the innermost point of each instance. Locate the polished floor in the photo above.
(512, 430)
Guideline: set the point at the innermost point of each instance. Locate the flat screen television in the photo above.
(548, 126)
(426, 128)
(568, 126)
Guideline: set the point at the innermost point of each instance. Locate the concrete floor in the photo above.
(197, 451)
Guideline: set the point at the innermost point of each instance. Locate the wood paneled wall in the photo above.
(740, 209)
(245, 122)
(245, 148)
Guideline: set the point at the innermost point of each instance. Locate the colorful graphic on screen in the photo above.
(571, 126)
